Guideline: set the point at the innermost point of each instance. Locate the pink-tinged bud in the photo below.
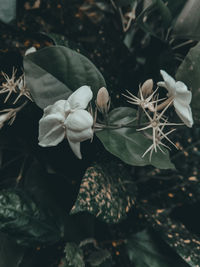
(103, 100)
(147, 88)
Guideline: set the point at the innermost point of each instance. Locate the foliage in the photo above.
(116, 207)
(24, 221)
(105, 194)
(57, 78)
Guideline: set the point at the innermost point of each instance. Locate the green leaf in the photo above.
(122, 115)
(107, 197)
(145, 250)
(122, 3)
(187, 23)
(96, 258)
(24, 221)
(161, 9)
(7, 10)
(189, 73)
(128, 144)
(74, 255)
(54, 72)
(11, 254)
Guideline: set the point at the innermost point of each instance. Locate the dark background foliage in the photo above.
(39, 186)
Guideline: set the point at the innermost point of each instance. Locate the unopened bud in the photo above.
(147, 88)
(103, 100)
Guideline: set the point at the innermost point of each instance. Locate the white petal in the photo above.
(162, 84)
(75, 148)
(182, 93)
(51, 131)
(169, 82)
(80, 98)
(79, 120)
(80, 136)
(184, 98)
(184, 112)
(30, 50)
(59, 107)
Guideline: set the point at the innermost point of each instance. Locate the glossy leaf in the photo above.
(107, 197)
(189, 73)
(128, 144)
(24, 221)
(54, 72)
(187, 23)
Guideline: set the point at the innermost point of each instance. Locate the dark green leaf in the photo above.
(175, 6)
(11, 254)
(54, 72)
(163, 12)
(107, 197)
(189, 73)
(74, 255)
(187, 23)
(122, 116)
(24, 221)
(145, 250)
(98, 257)
(128, 144)
(124, 2)
(7, 10)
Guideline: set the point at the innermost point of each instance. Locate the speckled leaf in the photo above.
(107, 197)
(54, 72)
(189, 73)
(146, 250)
(176, 235)
(74, 255)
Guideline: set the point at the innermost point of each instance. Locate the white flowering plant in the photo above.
(91, 146)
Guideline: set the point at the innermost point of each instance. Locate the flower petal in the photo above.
(80, 98)
(184, 112)
(75, 148)
(169, 82)
(51, 131)
(80, 136)
(59, 107)
(79, 120)
(182, 93)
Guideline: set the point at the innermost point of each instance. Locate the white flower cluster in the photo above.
(67, 119)
(178, 95)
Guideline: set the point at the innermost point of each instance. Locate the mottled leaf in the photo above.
(145, 250)
(107, 197)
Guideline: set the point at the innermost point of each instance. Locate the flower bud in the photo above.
(147, 88)
(103, 100)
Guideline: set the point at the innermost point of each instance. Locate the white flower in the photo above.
(30, 50)
(181, 97)
(67, 119)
